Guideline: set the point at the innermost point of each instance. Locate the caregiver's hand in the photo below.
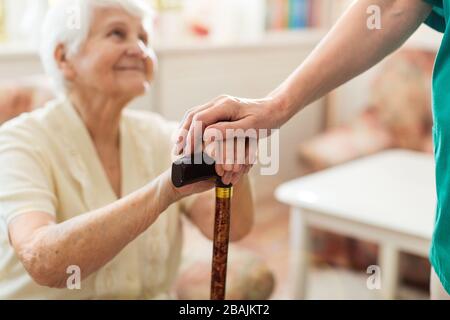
(229, 118)
(226, 113)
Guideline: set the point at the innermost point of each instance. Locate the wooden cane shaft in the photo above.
(221, 240)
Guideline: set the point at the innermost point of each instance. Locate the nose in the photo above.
(137, 49)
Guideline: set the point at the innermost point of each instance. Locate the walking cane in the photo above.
(185, 171)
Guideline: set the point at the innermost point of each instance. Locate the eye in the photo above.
(117, 33)
(143, 38)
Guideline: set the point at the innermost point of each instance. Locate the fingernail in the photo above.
(225, 178)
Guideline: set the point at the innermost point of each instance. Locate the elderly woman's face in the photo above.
(112, 60)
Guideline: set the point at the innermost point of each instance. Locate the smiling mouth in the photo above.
(137, 69)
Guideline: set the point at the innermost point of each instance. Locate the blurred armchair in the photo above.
(398, 116)
(22, 95)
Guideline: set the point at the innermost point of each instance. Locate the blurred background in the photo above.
(246, 48)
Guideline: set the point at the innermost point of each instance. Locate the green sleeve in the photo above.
(436, 19)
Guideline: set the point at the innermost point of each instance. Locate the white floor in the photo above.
(341, 284)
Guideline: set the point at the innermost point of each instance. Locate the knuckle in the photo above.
(197, 117)
(188, 115)
(226, 100)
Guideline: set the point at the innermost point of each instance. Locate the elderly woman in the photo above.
(84, 183)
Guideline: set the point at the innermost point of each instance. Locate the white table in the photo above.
(388, 198)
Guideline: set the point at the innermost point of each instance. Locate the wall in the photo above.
(352, 98)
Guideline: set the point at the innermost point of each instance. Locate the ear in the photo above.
(63, 63)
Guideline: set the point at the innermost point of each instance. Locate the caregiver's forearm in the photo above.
(90, 240)
(349, 49)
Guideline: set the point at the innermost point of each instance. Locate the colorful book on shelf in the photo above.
(315, 8)
(2, 21)
(298, 13)
(277, 14)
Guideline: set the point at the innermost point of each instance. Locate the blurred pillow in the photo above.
(364, 136)
(401, 95)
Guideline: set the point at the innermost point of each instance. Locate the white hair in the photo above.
(69, 22)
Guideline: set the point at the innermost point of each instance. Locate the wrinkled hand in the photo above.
(170, 194)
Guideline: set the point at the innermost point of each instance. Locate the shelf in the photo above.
(17, 50)
(273, 39)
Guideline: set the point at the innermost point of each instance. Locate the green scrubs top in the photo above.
(440, 245)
